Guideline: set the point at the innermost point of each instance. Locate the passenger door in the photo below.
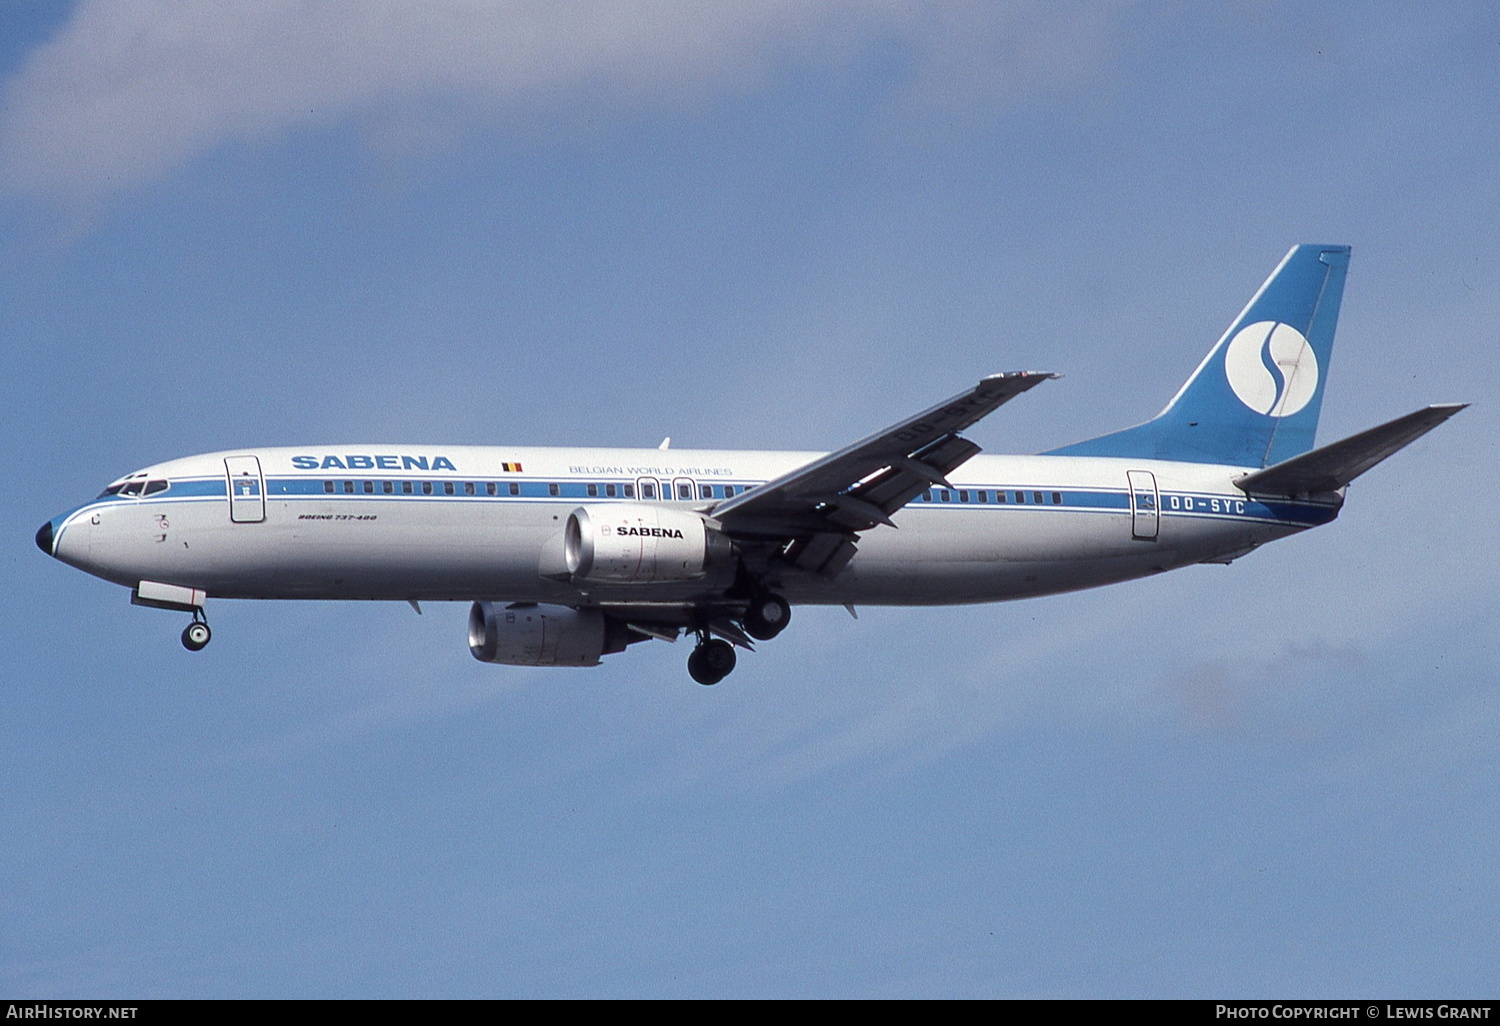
(1144, 504)
(247, 489)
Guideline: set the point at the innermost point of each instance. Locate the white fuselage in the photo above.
(471, 523)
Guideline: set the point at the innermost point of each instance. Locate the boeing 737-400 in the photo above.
(571, 554)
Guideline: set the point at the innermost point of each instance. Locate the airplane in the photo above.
(571, 554)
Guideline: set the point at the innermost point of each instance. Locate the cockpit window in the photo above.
(136, 484)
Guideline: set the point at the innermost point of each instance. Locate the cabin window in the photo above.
(405, 487)
(1020, 496)
(426, 487)
(684, 491)
(447, 487)
(369, 487)
(1036, 497)
(963, 495)
(348, 487)
(729, 491)
(489, 488)
(1057, 498)
(984, 496)
(705, 491)
(388, 488)
(630, 491)
(609, 491)
(648, 491)
(468, 487)
(999, 495)
(515, 489)
(945, 495)
(328, 487)
(593, 491)
(552, 489)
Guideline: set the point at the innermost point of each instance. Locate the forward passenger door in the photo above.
(247, 489)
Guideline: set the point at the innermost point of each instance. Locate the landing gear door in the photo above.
(247, 489)
(1144, 504)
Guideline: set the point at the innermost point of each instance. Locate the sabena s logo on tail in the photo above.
(1254, 400)
(1271, 368)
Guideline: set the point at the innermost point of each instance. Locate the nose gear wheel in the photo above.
(196, 635)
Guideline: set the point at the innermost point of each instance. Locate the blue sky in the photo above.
(778, 227)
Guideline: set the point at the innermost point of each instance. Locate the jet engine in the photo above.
(635, 543)
(536, 635)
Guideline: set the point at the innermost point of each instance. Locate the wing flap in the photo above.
(826, 553)
(1331, 467)
(880, 473)
(907, 477)
(814, 513)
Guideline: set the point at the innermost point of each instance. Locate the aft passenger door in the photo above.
(1144, 504)
(247, 489)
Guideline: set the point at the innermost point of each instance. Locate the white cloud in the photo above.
(130, 89)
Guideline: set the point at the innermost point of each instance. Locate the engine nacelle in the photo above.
(543, 635)
(636, 543)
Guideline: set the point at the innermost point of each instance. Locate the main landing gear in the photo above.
(713, 658)
(767, 616)
(196, 635)
(711, 661)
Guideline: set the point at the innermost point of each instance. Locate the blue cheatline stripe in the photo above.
(177, 488)
(1198, 504)
(1096, 499)
(208, 486)
(1195, 505)
(315, 488)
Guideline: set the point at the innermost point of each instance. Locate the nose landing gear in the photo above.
(196, 635)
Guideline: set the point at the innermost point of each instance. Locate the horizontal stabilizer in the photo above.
(1333, 466)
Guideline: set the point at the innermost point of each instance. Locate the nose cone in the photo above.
(44, 538)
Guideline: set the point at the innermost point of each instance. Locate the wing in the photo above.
(814, 513)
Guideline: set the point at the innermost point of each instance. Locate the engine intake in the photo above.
(636, 543)
(536, 635)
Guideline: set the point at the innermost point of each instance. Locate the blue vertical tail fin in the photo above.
(1255, 399)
